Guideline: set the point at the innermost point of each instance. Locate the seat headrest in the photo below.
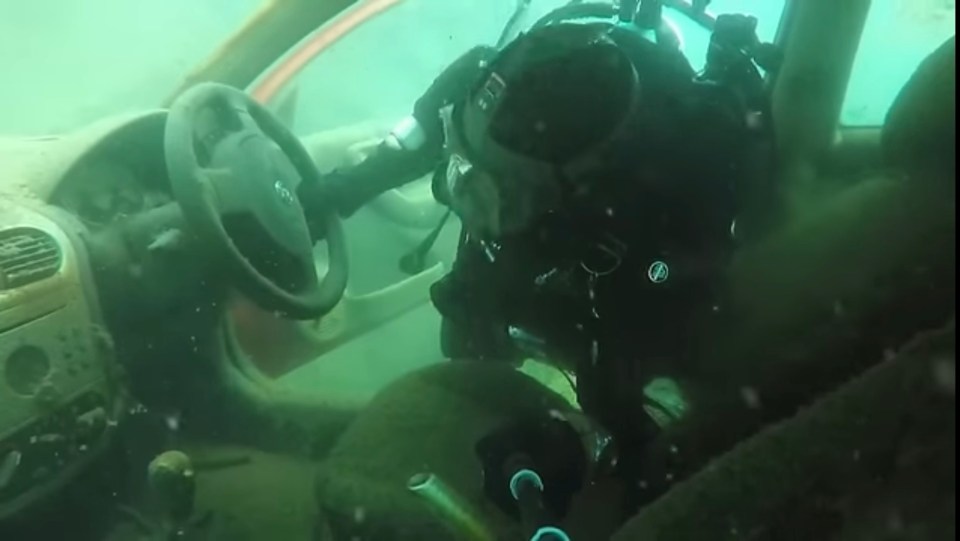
(919, 135)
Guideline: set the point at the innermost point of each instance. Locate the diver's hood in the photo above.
(553, 111)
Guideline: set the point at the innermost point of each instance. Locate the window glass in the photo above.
(377, 71)
(898, 35)
(69, 62)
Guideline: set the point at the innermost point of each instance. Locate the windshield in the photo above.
(66, 63)
(392, 57)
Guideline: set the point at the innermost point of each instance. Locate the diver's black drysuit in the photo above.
(610, 295)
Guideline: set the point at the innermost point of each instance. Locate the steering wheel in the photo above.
(234, 170)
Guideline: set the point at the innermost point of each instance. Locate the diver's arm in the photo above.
(347, 189)
(412, 150)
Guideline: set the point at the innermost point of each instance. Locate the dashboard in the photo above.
(105, 191)
(122, 176)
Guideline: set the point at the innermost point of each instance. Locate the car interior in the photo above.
(310, 390)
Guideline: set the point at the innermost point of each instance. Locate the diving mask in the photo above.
(491, 203)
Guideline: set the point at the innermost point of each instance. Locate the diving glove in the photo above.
(450, 87)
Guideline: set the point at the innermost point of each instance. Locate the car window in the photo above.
(69, 62)
(898, 35)
(379, 69)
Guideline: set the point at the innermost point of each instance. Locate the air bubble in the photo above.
(359, 515)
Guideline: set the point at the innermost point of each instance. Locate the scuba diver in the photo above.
(596, 176)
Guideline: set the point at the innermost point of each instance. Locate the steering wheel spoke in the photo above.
(229, 157)
(308, 269)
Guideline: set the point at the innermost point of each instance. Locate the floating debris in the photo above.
(168, 239)
(945, 374)
(750, 397)
(9, 466)
(542, 279)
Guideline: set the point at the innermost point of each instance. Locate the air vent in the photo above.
(26, 256)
